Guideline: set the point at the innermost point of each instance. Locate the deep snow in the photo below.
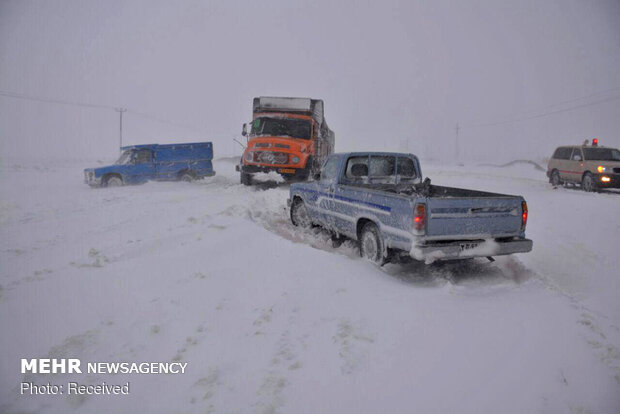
(271, 318)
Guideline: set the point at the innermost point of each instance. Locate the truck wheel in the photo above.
(299, 214)
(246, 179)
(371, 244)
(113, 181)
(555, 178)
(587, 183)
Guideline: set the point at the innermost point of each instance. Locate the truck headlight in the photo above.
(601, 169)
(249, 156)
(295, 160)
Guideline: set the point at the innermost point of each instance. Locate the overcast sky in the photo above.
(520, 77)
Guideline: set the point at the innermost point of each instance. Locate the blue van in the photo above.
(140, 163)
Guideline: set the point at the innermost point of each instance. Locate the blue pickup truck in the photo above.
(381, 200)
(140, 163)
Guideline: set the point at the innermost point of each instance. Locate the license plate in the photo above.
(468, 246)
(286, 171)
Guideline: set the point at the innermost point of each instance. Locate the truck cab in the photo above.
(289, 136)
(589, 165)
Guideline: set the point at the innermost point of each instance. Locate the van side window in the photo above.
(577, 155)
(144, 157)
(562, 153)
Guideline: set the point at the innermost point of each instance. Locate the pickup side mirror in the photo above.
(244, 131)
(317, 176)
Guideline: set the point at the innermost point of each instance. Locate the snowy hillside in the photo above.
(272, 319)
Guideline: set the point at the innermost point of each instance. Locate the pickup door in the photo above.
(471, 214)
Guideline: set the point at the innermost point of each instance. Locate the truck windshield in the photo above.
(125, 158)
(294, 128)
(602, 154)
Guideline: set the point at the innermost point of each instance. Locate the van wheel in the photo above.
(246, 179)
(113, 181)
(299, 214)
(187, 177)
(371, 244)
(555, 178)
(587, 183)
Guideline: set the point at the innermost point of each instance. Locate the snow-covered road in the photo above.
(273, 319)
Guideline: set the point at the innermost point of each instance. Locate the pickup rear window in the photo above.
(379, 168)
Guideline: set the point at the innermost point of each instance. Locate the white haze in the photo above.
(394, 75)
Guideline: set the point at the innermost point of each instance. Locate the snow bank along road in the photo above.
(272, 319)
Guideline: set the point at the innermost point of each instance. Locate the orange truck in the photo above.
(287, 135)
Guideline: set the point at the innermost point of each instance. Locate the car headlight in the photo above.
(601, 169)
(295, 160)
(249, 156)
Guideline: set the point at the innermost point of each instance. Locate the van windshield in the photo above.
(602, 154)
(294, 128)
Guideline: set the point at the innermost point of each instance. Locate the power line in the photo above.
(16, 95)
(164, 121)
(609, 99)
(55, 101)
(537, 114)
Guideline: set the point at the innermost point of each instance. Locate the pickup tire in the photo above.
(555, 178)
(113, 181)
(246, 179)
(587, 183)
(299, 214)
(371, 244)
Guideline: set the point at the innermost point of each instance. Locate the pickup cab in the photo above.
(140, 163)
(380, 200)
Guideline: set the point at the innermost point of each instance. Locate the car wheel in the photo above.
(114, 181)
(555, 178)
(587, 183)
(246, 179)
(371, 244)
(299, 214)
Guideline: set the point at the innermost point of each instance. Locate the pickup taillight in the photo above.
(523, 215)
(419, 217)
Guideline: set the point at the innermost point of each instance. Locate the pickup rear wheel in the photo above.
(299, 214)
(371, 244)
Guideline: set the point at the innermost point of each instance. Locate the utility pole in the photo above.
(456, 141)
(120, 111)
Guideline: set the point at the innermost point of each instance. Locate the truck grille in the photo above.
(617, 170)
(268, 157)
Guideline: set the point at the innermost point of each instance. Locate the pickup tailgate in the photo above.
(455, 218)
